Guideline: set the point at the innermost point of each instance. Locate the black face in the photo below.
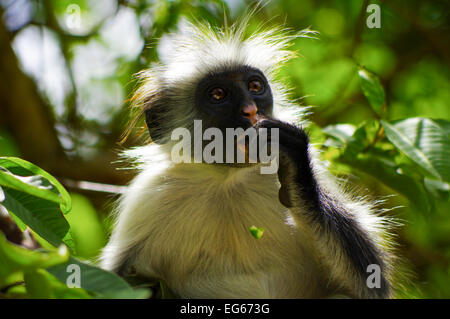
(233, 98)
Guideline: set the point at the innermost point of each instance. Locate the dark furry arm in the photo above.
(345, 247)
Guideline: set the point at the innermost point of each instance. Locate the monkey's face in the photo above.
(233, 98)
(229, 98)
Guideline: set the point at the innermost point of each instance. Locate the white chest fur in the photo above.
(190, 227)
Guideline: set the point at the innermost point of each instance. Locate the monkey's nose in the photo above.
(249, 111)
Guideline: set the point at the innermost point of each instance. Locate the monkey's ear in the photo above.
(156, 118)
(155, 126)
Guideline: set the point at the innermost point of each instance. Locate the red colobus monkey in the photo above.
(187, 224)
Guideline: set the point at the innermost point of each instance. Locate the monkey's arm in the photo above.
(346, 243)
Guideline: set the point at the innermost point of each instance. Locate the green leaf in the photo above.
(350, 139)
(387, 172)
(362, 138)
(37, 284)
(341, 132)
(23, 176)
(37, 199)
(22, 226)
(42, 285)
(256, 232)
(126, 294)
(372, 89)
(439, 189)
(32, 185)
(85, 227)
(102, 283)
(43, 216)
(15, 259)
(424, 141)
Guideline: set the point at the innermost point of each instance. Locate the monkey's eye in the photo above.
(217, 94)
(255, 86)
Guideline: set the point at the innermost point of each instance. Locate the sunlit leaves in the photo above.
(386, 171)
(425, 141)
(373, 90)
(37, 199)
(363, 137)
(17, 264)
(86, 227)
(33, 180)
(42, 285)
(101, 283)
(367, 150)
(340, 132)
(43, 216)
(410, 156)
(15, 259)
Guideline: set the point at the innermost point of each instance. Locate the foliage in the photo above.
(28, 194)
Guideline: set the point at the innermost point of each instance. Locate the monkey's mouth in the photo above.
(246, 122)
(242, 143)
(257, 118)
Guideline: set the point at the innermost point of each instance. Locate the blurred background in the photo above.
(67, 70)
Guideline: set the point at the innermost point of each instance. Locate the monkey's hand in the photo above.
(294, 172)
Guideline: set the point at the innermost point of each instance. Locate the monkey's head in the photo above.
(218, 76)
